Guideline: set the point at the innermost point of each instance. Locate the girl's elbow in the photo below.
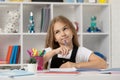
(104, 65)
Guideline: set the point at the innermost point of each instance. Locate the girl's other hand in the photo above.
(68, 65)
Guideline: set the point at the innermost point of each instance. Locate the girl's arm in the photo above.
(61, 50)
(94, 62)
(48, 56)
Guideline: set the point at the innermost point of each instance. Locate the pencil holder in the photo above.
(39, 62)
(32, 68)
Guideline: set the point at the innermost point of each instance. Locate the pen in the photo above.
(65, 43)
(106, 73)
(40, 52)
(43, 52)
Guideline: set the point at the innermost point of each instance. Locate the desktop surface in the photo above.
(65, 76)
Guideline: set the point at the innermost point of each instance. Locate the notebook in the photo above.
(15, 73)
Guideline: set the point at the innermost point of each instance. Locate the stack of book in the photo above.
(13, 54)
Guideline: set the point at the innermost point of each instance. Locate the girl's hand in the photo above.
(63, 50)
(68, 65)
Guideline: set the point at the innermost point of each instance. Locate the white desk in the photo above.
(81, 76)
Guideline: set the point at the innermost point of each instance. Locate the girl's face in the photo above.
(62, 33)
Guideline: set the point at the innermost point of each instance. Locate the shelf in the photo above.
(42, 33)
(75, 12)
(97, 33)
(10, 65)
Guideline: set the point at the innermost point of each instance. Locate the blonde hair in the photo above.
(50, 39)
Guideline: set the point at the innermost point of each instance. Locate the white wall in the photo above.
(115, 15)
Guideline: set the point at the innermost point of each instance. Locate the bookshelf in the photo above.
(76, 12)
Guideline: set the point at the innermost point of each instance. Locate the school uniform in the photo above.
(78, 54)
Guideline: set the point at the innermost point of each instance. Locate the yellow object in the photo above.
(34, 52)
(102, 1)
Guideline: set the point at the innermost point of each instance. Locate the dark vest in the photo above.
(56, 62)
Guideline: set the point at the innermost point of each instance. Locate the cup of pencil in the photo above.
(38, 55)
(39, 60)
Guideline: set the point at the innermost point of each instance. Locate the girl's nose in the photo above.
(62, 33)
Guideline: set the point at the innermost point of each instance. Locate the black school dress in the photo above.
(56, 62)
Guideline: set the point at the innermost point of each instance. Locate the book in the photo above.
(45, 18)
(16, 54)
(12, 55)
(15, 73)
(9, 52)
(111, 71)
(87, 69)
(41, 20)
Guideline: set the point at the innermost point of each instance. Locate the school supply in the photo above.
(15, 73)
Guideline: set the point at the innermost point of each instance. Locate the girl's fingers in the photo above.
(64, 51)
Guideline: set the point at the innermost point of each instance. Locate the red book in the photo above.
(9, 52)
(18, 54)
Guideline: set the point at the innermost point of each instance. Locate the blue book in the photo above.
(12, 55)
(16, 54)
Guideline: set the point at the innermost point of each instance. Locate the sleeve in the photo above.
(83, 54)
(48, 49)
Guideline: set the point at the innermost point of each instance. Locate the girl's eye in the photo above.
(65, 28)
(56, 32)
